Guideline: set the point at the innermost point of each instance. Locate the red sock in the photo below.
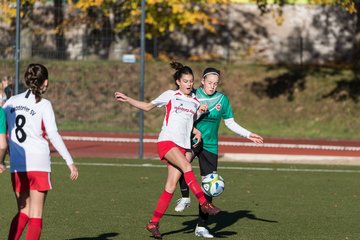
(34, 229)
(194, 186)
(162, 205)
(17, 226)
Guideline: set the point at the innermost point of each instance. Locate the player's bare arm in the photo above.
(2, 167)
(3, 151)
(121, 97)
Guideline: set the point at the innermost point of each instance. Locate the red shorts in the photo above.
(165, 146)
(26, 181)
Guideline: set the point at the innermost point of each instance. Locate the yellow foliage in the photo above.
(171, 27)
(250, 51)
(322, 1)
(134, 5)
(178, 8)
(8, 9)
(278, 16)
(8, 12)
(164, 57)
(135, 12)
(85, 4)
(162, 15)
(148, 56)
(151, 2)
(162, 29)
(204, 57)
(148, 35)
(150, 19)
(349, 5)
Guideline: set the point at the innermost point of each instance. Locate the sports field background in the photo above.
(281, 101)
(301, 99)
(114, 198)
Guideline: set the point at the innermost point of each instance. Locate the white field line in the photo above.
(149, 165)
(221, 143)
(107, 139)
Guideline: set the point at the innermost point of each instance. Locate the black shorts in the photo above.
(207, 161)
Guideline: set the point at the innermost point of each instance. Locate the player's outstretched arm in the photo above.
(74, 174)
(236, 128)
(121, 97)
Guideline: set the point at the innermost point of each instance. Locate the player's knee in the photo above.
(187, 167)
(170, 188)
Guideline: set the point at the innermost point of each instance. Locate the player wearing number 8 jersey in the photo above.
(30, 118)
(27, 122)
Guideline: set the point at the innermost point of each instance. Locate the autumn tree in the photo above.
(29, 23)
(108, 19)
(162, 16)
(8, 15)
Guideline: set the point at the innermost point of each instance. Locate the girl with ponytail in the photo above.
(30, 118)
(182, 108)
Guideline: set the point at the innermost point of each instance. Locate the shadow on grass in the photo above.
(104, 236)
(345, 89)
(223, 220)
(226, 219)
(285, 84)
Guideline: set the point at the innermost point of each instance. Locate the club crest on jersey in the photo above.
(218, 107)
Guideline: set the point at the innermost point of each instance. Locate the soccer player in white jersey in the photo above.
(30, 118)
(182, 108)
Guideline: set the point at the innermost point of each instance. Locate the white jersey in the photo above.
(179, 118)
(28, 124)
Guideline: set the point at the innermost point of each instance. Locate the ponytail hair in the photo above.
(180, 70)
(35, 76)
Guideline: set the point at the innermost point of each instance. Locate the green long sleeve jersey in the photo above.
(219, 107)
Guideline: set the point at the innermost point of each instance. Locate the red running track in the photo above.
(119, 145)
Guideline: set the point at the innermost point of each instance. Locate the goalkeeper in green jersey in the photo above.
(207, 151)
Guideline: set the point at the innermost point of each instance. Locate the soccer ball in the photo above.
(213, 184)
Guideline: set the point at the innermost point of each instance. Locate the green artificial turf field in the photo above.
(114, 199)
